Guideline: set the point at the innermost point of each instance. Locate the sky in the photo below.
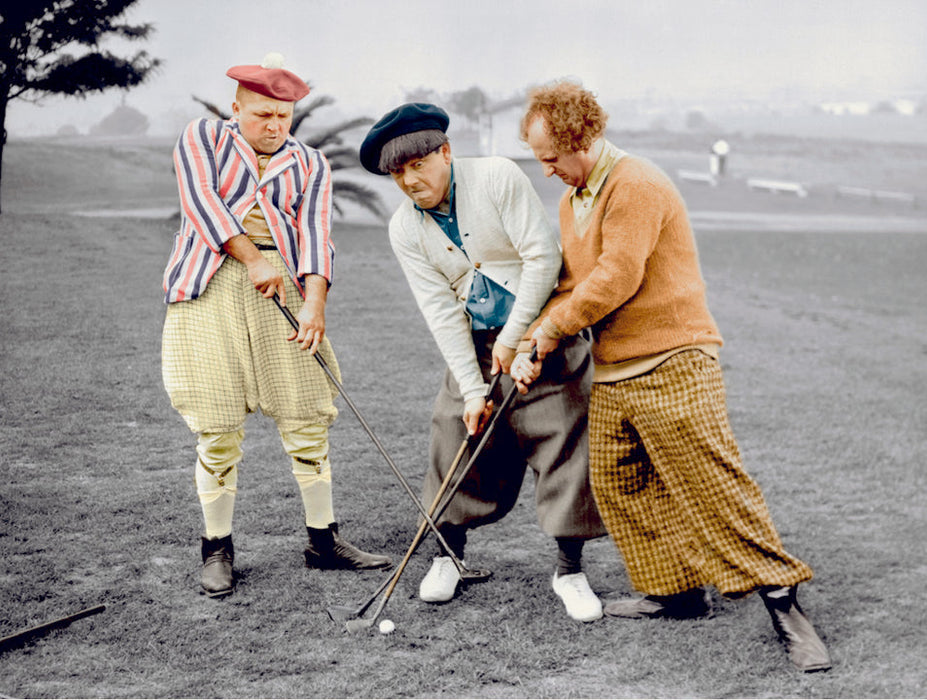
(367, 53)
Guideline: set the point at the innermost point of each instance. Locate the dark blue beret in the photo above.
(405, 119)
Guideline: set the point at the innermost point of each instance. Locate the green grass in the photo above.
(826, 342)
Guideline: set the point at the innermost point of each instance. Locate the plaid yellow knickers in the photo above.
(225, 354)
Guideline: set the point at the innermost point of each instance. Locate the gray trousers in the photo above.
(545, 430)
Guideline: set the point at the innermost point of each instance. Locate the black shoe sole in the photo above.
(217, 594)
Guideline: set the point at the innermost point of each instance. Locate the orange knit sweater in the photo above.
(633, 276)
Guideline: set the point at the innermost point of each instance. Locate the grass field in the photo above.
(826, 365)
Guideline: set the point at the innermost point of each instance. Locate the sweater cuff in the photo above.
(550, 329)
(476, 393)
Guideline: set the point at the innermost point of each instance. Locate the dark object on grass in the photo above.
(328, 550)
(805, 649)
(17, 638)
(217, 578)
(464, 572)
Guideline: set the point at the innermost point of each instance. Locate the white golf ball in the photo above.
(387, 626)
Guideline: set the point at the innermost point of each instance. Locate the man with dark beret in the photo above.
(255, 221)
(481, 259)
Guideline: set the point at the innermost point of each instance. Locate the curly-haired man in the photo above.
(664, 466)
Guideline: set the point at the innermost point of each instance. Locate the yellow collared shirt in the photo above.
(583, 200)
(254, 222)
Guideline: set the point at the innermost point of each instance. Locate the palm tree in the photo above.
(340, 155)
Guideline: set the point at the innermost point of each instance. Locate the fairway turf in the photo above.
(826, 367)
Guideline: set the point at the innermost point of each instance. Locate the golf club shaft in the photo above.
(460, 452)
(402, 480)
(422, 530)
(23, 635)
(487, 433)
(419, 536)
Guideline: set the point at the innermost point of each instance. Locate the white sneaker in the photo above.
(581, 603)
(440, 583)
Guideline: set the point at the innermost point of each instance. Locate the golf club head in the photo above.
(340, 613)
(358, 624)
(475, 575)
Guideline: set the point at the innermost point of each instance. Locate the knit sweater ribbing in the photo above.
(633, 275)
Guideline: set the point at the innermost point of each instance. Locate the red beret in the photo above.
(278, 83)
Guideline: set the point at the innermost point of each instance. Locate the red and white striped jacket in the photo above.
(217, 176)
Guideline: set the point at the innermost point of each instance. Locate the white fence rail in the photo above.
(777, 186)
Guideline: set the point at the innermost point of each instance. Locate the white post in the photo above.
(716, 162)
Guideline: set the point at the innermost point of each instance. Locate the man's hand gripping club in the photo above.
(268, 281)
(524, 370)
(478, 410)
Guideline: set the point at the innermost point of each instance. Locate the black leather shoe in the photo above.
(681, 606)
(805, 649)
(217, 578)
(328, 550)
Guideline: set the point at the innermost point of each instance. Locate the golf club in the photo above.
(487, 433)
(22, 636)
(473, 575)
(358, 622)
(340, 613)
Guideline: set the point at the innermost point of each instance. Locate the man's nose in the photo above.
(548, 169)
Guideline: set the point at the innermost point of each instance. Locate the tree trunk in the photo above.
(2, 144)
(3, 102)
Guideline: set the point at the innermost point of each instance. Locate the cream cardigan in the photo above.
(507, 236)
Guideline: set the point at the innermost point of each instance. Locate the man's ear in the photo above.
(446, 152)
(235, 108)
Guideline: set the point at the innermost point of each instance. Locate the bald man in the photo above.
(256, 222)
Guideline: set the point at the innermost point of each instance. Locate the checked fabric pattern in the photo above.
(225, 354)
(670, 486)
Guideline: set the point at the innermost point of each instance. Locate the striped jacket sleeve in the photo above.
(314, 217)
(197, 180)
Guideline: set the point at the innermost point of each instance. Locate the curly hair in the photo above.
(574, 119)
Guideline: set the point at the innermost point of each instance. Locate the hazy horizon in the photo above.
(368, 53)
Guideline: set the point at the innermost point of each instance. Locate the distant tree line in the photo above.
(53, 47)
(473, 104)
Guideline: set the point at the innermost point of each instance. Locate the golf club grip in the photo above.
(286, 312)
(509, 397)
(23, 635)
(325, 368)
(376, 441)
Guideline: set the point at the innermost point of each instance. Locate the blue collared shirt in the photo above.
(489, 303)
